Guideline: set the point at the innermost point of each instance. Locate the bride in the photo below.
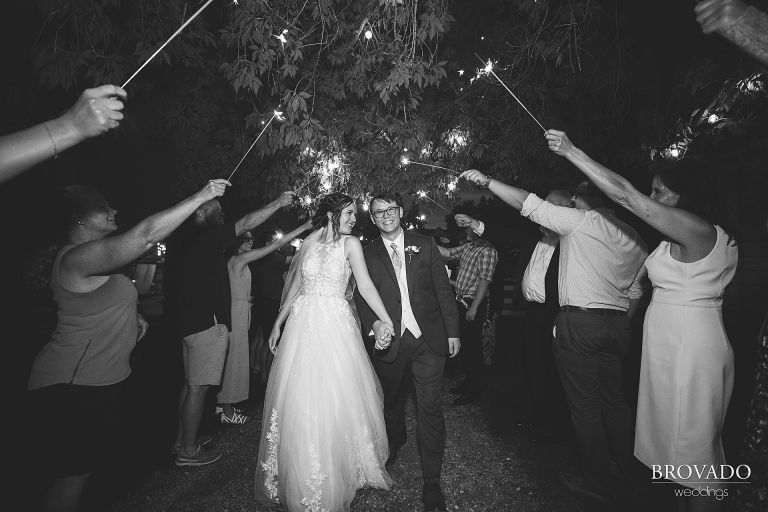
(323, 434)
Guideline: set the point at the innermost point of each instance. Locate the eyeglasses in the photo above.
(389, 212)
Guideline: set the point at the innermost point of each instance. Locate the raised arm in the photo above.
(695, 235)
(102, 256)
(95, 112)
(241, 260)
(364, 284)
(513, 196)
(256, 218)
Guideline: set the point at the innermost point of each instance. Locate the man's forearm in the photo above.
(255, 218)
(480, 292)
(513, 196)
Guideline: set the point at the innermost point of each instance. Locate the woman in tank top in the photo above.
(76, 377)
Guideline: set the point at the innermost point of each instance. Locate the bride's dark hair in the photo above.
(334, 203)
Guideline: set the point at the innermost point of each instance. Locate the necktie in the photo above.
(396, 262)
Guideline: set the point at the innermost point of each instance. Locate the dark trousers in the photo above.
(471, 353)
(415, 362)
(589, 348)
(546, 400)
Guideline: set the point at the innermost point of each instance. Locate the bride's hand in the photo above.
(274, 336)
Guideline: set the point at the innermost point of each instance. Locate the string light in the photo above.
(713, 118)
(281, 37)
(368, 34)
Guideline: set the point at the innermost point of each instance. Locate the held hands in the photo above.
(96, 111)
(471, 314)
(454, 345)
(213, 189)
(559, 142)
(463, 221)
(383, 332)
(476, 177)
(274, 336)
(718, 15)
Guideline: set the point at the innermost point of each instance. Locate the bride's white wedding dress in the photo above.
(323, 434)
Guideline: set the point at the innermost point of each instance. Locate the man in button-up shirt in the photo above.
(600, 260)
(477, 263)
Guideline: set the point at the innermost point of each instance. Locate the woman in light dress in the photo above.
(323, 434)
(686, 371)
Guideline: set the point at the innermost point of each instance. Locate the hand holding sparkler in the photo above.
(476, 177)
(559, 143)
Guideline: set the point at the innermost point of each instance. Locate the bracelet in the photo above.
(55, 151)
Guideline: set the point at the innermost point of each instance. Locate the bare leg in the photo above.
(191, 414)
(65, 493)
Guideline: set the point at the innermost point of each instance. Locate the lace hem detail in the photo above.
(270, 466)
(315, 482)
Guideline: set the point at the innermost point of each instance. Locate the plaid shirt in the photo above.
(476, 260)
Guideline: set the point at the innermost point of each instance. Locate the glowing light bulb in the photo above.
(308, 199)
(422, 217)
(482, 38)
(296, 242)
(368, 34)
(365, 207)
(278, 235)
(713, 118)
(362, 238)
(461, 72)
(452, 186)
(674, 152)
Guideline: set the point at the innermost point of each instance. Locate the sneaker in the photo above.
(200, 458)
(202, 441)
(237, 418)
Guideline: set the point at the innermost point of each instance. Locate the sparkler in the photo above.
(407, 161)
(275, 114)
(182, 27)
(489, 69)
(421, 193)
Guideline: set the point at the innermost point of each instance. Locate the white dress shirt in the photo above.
(600, 256)
(533, 283)
(408, 321)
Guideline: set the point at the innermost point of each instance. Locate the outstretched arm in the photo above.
(102, 256)
(367, 290)
(258, 217)
(513, 196)
(95, 112)
(241, 260)
(695, 235)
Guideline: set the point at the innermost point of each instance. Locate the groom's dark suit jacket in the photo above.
(432, 297)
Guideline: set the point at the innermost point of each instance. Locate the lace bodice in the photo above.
(326, 271)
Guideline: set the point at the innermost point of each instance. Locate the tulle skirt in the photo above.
(323, 434)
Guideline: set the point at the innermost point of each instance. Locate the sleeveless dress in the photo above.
(323, 434)
(686, 371)
(235, 380)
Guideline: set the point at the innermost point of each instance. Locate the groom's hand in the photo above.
(454, 345)
(382, 333)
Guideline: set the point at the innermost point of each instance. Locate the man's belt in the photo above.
(599, 311)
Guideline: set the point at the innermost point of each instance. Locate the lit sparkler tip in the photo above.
(278, 115)
(422, 193)
(713, 118)
(488, 67)
(405, 160)
(452, 186)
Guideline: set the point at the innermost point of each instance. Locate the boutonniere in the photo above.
(411, 250)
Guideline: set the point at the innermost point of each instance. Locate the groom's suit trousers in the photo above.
(415, 363)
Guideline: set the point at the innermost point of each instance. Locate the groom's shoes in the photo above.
(432, 495)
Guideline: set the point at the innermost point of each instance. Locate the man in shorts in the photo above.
(199, 302)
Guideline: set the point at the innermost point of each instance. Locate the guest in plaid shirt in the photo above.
(477, 262)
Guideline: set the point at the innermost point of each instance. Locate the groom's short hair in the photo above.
(387, 196)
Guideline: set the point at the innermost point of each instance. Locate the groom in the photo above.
(409, 274)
